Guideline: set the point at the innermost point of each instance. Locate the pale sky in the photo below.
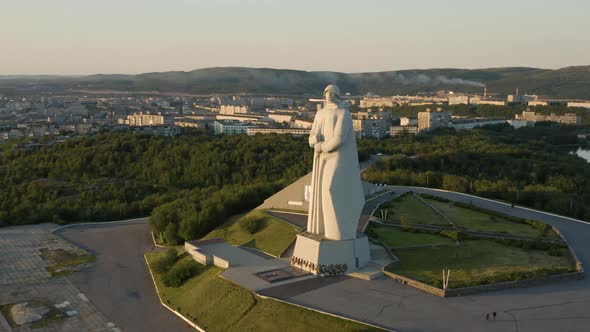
(134, 36)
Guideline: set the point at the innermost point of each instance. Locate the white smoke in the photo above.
(438, 80)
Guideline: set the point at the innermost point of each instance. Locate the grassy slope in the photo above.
(273, 239)
(478, 221)
(216, 304)
(413, 210)
(476, 262)
(396, 238)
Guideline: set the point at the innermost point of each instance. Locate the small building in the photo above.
(431, 120)
(281, 118)
(399, 130)
(370, 128)
(471, 123)
(584, 104)
(146, 119)
(567, 118)
(302, 124)
(230, 128)
(234, 109)
(290, 131)
(537, 103)
(521, 99)
(404, 121)
(458, 99)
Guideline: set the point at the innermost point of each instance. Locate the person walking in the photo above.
(494, 315)
(488, 316)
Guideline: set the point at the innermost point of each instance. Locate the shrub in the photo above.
(453, 235)
(253, 224)
(180, 273)
(406, 224)
(170, 234)
(165, 263)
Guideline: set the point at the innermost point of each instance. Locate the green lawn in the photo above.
(274, 238)
(394, 237)
(479, 262)
(413, 210)
(479, 221)
(216, 304)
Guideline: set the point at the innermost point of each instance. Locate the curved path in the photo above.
(119, 283)
(555, 307)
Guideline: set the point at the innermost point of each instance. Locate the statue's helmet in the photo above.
(334, 88)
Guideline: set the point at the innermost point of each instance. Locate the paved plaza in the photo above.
(23, 278)
(21, 260)
(57, 291)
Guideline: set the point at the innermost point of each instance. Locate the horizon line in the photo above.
(285, 69)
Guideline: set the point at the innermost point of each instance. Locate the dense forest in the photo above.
(193, 180)
(192, 183)
(528, 166)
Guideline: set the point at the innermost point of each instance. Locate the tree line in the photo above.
(192, 181)
(528, 166)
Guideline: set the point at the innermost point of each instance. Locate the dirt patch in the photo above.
(62, 262)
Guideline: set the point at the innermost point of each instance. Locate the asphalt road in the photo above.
(119, 284)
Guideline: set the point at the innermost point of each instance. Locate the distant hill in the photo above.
(570, 82)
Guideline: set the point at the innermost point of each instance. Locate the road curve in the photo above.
(119, 283)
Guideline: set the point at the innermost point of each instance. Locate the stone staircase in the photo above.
(379, 259)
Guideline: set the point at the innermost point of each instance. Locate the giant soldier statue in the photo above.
(331, 245)
(337, 195)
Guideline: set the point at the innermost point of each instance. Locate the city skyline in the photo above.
(66, 37)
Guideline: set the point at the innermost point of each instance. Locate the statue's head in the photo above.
(332, 93)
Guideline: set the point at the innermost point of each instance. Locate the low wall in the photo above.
(514, 284)
(414, 283)
(192, 247)
(197, 255)
(220, 262)
(484, 288)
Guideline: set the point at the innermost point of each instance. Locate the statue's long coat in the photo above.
(337, 195)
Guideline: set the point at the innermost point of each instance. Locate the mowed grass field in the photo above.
(274, 238)
(412, 210)
(393, 237)
(480, 221)
(477, 262)
(216, 304)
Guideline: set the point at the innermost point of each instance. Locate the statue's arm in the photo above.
(342, 129)
(313, 134)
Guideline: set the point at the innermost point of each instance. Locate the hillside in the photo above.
(570, 82)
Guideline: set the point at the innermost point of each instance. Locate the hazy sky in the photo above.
(134, 36)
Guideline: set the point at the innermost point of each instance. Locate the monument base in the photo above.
(319, 255)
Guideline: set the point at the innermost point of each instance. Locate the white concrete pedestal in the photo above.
(318, 255)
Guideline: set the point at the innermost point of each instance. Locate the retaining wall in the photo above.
(192, 247)
(485, 288)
